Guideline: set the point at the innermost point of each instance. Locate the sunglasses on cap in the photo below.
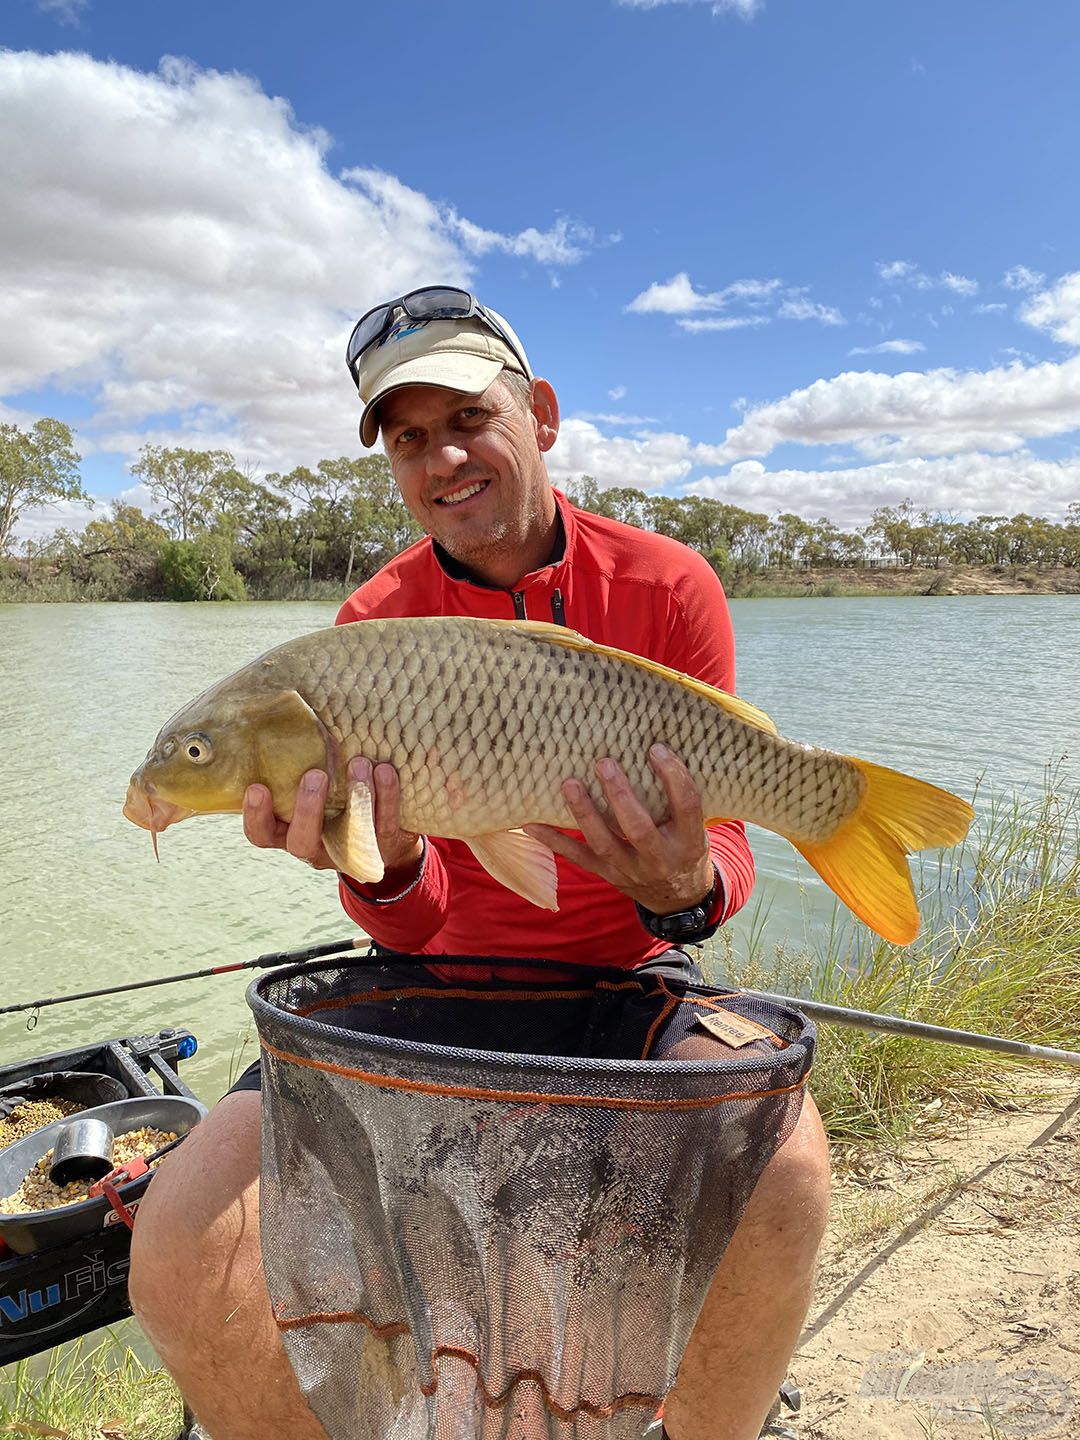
(432, 302)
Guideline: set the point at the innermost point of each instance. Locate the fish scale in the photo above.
(484, 719)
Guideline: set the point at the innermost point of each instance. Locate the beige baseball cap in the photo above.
(462, 355)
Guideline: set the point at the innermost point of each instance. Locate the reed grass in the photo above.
(98, 1392)
(999, 954)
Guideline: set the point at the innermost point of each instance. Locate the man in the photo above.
(466, 426)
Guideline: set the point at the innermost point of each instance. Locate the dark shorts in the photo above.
(616, 1019)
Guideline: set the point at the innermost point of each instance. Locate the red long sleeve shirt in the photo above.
(618, 586)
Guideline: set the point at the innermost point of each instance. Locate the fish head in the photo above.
(232, 736)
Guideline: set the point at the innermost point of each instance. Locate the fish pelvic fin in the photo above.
(350, 839)
(865, 861)
(742, 710)
(519, 862)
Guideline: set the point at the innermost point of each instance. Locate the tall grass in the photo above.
(99, 1393)
(999, 953)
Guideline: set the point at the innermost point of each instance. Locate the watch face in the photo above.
(682, 923)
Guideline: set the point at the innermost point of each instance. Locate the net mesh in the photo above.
(462, 1238)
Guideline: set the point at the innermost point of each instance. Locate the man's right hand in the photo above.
(302, 835)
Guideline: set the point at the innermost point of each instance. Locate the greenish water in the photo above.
(951, 689)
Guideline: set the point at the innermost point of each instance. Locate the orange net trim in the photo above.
(526, 1097)
(492, 1401)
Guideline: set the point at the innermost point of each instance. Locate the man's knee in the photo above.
(200, 1215)
(792, 1195)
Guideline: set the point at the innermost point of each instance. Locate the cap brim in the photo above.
(469, 374)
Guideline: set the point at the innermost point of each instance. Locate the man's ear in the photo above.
(545, 409)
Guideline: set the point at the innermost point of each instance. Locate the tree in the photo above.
(186, 483)
(36, 466)
(117, 558)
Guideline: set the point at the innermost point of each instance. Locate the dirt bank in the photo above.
(949, 580)
(948, 1301)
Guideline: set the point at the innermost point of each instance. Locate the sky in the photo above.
(800, 255)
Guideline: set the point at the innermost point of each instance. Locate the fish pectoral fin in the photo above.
(519, 862)
(350, 836)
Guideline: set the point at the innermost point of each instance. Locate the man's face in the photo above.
(471, 471)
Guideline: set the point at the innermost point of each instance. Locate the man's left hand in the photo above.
(665, 867)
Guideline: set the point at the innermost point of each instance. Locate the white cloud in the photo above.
(890, 347)
(1057, 310)
(895, 272)
(797, 307)
(965, 485)
(745, 9)
(616, 392)
(959, 284)
(1021, 278)
(201, 283)
(677, 296)
(563, 244)
(68, 12)
(608, 418)
(722, 322)
(936, 412)
(644, 462)
(994, 308)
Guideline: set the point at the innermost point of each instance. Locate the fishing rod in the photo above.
(261, 962)
(897, 1025)
(816, 1009)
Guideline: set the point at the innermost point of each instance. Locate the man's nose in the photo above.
(445, 457)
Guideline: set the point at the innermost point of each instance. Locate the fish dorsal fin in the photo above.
(350, 837)
(571, 640)
(519, 862)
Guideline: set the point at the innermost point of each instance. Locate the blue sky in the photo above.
(810, 257)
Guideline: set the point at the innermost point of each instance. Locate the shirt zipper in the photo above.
(558, 609)
(519, 604)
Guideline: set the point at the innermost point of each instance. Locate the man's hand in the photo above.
(302, 836)
(665, 867)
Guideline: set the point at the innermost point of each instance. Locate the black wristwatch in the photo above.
(685, 926)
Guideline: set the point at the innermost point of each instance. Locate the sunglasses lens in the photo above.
(439, 304)
(367, 330)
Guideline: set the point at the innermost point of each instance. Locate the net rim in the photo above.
(794, 1054)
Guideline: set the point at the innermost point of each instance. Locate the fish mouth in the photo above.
(145, 808)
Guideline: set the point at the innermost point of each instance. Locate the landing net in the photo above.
(464, 1239)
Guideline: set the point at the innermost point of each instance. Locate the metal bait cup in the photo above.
(83, 1151)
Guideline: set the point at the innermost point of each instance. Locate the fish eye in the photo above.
(198, 749)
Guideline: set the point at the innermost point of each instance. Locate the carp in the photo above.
(483, 719)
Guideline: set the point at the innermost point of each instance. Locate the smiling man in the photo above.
(466, 426)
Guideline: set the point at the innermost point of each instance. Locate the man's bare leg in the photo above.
(197, 1285)
(755, 1308)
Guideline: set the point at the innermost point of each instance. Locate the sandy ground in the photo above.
(948, 1299)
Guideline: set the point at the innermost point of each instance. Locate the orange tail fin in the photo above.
(865, 861)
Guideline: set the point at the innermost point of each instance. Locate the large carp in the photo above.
(483, 719)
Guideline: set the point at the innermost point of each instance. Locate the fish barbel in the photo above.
(483, 719)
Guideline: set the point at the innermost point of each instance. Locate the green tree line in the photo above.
(220, 533)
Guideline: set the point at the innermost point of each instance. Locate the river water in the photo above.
(951, 688)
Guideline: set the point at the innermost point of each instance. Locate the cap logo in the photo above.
(402, 330)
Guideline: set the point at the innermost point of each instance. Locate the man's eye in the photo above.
(470, 412)
(406, 437)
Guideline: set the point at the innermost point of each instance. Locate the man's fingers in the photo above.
(629, 814)
(598, 834)
(684, 797)
(304, 836)
(261, 826)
